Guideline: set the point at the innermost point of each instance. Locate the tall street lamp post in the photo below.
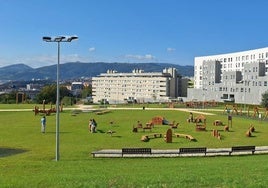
(58, 40)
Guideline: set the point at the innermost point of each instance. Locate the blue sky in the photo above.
(164, 31)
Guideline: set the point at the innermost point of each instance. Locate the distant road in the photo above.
(88, 108)
(15, 110)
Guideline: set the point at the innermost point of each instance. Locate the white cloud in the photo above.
(171, 49)
(92, 49)
(140, 57)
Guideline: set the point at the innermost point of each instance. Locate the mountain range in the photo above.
(76, 70)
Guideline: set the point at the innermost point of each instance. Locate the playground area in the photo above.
(196, 127)
(171, 135)
(24, 149)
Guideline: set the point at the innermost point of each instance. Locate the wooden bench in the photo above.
(217, 123)
(135, 151)
(146, 138)
(200, 127)
(193, 150)
(187, 136)
(147, 128)
(154, 135)
(174, 126)
(242, 149)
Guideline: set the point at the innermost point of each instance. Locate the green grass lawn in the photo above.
(27, 157)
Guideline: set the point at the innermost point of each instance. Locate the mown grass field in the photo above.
(27, 157)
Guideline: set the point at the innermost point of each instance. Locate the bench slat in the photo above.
(242, 148)
(136, 151)
(193, 150)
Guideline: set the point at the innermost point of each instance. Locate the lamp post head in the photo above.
(60, 38)
(47, 39)
(69, 39)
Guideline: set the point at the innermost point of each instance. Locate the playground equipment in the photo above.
(215, 133)
(44, 111)
(20, 97)
(200, 121)
(168, 137)
(226, 128)
(158, 120)
(217, 123)
(171, 105)
(200, 104)
(250, 131)
(232, 109)
(256, 112)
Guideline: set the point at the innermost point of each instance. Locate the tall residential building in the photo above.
(240, 77)
(137, 86)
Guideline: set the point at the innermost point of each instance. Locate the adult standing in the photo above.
(90, 125)
(93, 126)
(43, 124)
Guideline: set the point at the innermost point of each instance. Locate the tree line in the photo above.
(49, 95)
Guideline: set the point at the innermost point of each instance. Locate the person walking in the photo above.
(43, 124)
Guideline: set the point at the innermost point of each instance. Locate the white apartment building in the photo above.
(230, 62)
(137, 86)
(241, 77)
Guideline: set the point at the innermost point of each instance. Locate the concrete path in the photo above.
(110, 153)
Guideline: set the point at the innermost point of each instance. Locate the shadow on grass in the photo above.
(114, 136)
(5, 152)
(100, 131)
(220, 130)
(53, 132)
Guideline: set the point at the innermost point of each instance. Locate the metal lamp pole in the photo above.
(58, 40)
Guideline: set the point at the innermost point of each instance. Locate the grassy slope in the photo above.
(31, 163)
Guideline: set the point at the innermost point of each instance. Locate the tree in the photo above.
(67, 100)
(87, 91)
(8, 98)
(264, 101)
(49, 94)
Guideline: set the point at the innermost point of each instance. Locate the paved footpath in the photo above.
(110, 153)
